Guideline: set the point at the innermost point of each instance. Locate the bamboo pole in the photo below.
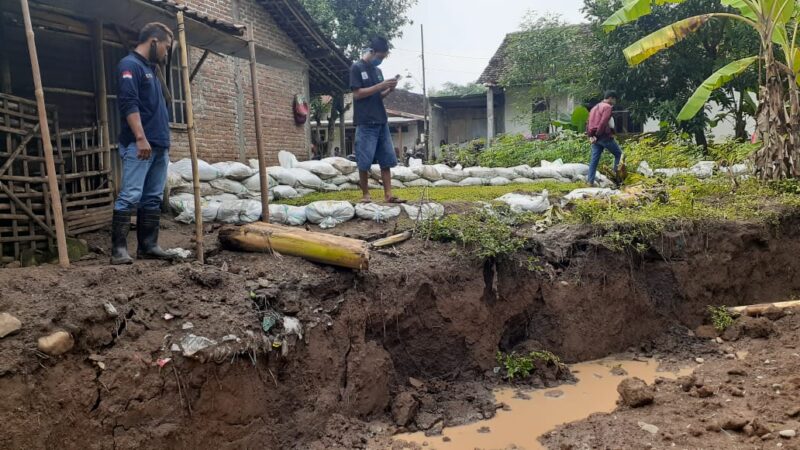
(52, 181)
(757, 310)
(187, 94)
(318, 247)
(102, 95)
(262, 162)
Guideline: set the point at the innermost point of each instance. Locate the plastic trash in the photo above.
(328, 214)
(292, 325)
(191, 344)
(287, 215)
(179, 252)
(270, 319)
(527, 203)
(426, 212)
(377, 213)
(234, 170)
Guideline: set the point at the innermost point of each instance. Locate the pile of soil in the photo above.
(409, 345)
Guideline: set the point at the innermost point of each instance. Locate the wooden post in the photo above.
(101, 96)
(489, 115)
(5, 67)
(52, 181)
(262, 163)
(342, 128)
(187, 95)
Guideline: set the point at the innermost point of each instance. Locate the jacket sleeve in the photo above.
(128, 96)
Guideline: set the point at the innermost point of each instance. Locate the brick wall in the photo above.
(221, 134)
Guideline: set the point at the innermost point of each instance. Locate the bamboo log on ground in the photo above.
(760, 309)
(392, 240)
(323, 248)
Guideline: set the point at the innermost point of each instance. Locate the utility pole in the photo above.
(425, 96)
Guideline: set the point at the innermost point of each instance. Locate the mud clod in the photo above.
(635, 392)
(404, 408)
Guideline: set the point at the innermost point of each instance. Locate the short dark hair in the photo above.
(155, 30)
(611, 94)
(379, 45)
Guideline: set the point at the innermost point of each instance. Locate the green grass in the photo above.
(441, 194)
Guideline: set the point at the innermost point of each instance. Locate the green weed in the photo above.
(720, 317)
(522, 366)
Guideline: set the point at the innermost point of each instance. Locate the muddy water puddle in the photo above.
(533, 413)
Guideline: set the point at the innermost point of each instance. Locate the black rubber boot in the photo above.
(148, 222)
(120, 226)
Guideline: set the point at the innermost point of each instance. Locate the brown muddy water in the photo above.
(534, 413)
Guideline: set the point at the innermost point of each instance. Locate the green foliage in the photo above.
(449, 89)
(465, 154)
(577, 121)
(720, 317)
(671, 151)
(484, 232)
(514, 150)
(522, 366)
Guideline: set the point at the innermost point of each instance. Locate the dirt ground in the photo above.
(408, 346)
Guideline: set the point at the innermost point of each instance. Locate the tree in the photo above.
(553, 60)
(453, 89)
(658, 89)
(778, 116)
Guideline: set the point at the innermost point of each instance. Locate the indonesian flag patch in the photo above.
(127, 75)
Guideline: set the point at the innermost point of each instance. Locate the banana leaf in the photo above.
(780, 10)
(743, 8)
(715, 81)
(580, 117)
(632, 10)
(663, 38)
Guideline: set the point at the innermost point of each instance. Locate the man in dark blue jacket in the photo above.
(143, 145)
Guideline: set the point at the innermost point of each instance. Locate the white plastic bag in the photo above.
(527, 203)
(328, 214)
(589, 193)
(376, 212)
(319, 168)
(234, 170)
(426, 212)
(644, 169)
(287, 215)
(206, 171)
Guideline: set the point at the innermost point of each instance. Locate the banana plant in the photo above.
(778, 124)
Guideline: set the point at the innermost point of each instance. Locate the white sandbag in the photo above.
(254, 183)
(471, 181)
(208, 209)
(505, 173)
(174, 179)
(283, 176)
(414, 162)
(306, 179)
(319, 168)
(499, 181)
(523, 180)
(430, 173)
(481, 172)
(206, 171)
(372, 184)
(573, 170)
(523, 171)
(228, 186)
(397, 184)
(351, 187)
(234, 170)
(375, 172)
(426, 212)
(403, 174)
(376, 212)
(287, 215)
(284, 192)
(455, 176)
(703, 169)
(221, 198)
(442, 168)
(527, 203)
(338, 180)
(179, 203)
(287, 160)
(445, 183)
(329, 187)
(250, 212)
(304, 191)
(421, 182)
(328, 214)
(354, 178)
(589, 193)
(545, 163)
(239, 211)
(544, 172)
(205, 190)
(738, 170)
(644, 169)
(343, 165)
(671, 172)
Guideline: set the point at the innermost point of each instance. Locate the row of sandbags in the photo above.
(701, 170)
(228, 208)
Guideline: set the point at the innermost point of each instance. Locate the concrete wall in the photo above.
(222, 94)
(724, 130)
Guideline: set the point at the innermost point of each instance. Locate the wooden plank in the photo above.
(19, 149)
(27, 211)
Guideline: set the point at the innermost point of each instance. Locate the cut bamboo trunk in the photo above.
(318, 247)
(758, 310)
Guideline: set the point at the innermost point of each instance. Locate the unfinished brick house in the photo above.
(79, 43)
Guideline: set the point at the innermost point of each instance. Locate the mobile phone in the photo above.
(397, 77)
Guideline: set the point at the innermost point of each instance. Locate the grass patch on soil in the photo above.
(522, 366)
(720, 317)
(441, 194)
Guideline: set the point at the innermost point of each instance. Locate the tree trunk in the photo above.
(739, 120)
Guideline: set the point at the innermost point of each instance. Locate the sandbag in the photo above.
(285, 192)
(376, 212)
(179, 203)
(544, 172)
(445, 183)
(283, 176)
(328, 214)
(329, 187)
(338, 180)
(670, 172)
(703, 169)
(589, 193)
(306, 179)
(354, 178)
(414, 162)
(499, 181)
(455, 176)
(222, 198)
(397, 184)
(206, 171)
(239, 211)
(421, 182)
(234, 170)
(471, 181)
(644, 169)
(375, 172)
(205, 190)
(426, 212)
(228, 186)
(505, 173)
(527, 203)
(442, 168)
(573, 170)
(209, 211)
(175, 180)
(254, 183)
(545, 163)
(304, 191)
(403, 174)
(350, 187)
(480, 172)
(343, 165)
(319, 168)
(522, 171)
(287, 215)
(287, 160)
(430, 173)
(522, 180)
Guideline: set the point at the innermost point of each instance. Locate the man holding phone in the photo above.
(373, 138)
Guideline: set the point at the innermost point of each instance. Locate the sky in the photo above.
(461, 36)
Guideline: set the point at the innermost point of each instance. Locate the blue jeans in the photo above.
(597, 151)
(374, 145)
(143, 181)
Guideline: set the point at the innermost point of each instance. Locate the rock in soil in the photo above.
(788, 434)
(635, 392)
(756, 328)
(652, 429)
(56, 344)
(8, 324)
(404, 408)
(706, 332)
